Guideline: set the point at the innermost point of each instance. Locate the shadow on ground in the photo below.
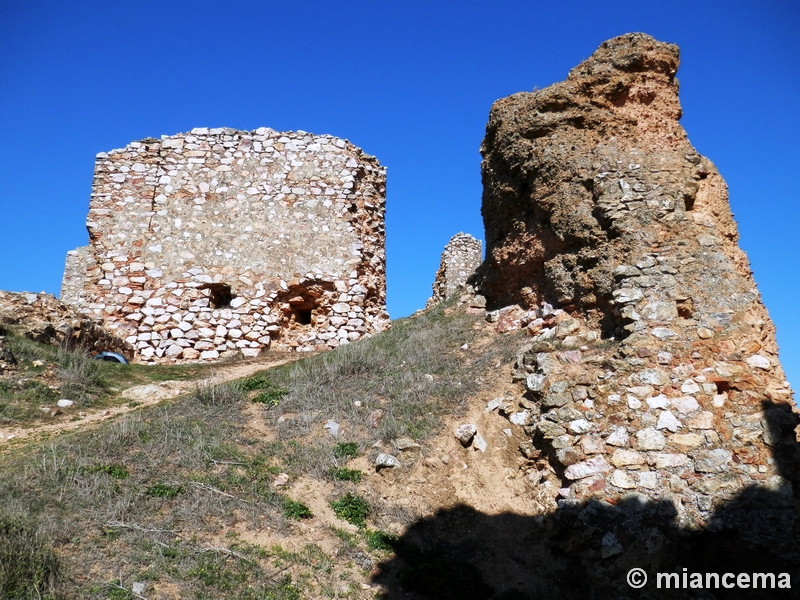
(462, 554)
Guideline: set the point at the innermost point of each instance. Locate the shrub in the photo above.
(28, 566)
(344, 474)
(380, 540)
(257, 382)
(292, 509)
(270, 397)
(345, 450)
(81, 376)
(353, 509)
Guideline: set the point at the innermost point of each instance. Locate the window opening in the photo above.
(219, 294)
(302, 317)
(301, 310)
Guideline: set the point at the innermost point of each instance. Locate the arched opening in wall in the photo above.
(303, 308)
(219, 294)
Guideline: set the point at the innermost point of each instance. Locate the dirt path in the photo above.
(139, 397)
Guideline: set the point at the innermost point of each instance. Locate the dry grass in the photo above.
(44, 374)
(412, 373)
(29, 569)
(194, 470)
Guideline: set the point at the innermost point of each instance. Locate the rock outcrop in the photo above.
(220, 241)
(461, 257)
(43, 318)
(655, 397)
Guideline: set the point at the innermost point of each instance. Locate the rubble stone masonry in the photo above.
(461, 257)
(221, 241)
(652, 376)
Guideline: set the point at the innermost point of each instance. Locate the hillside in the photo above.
(598, 411)
(188, 495)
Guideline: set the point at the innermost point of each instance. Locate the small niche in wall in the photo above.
(219, 294)
(302, 317)
(301, 310)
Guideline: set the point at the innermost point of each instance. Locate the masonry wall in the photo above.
(219, 241)
(461, 257)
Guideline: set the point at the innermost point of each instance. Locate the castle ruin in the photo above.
(461, 257)
(221, 241)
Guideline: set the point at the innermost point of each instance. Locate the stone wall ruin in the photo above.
(221, 241)
(653, 387)
(461, 257)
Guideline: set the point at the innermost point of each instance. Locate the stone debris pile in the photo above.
(43, 318)
(221, 241)
(461, 257)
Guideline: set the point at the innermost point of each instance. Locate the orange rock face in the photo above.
(657, 376)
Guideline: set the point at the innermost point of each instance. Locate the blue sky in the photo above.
(410, 82)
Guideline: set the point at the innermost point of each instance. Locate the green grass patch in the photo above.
(380, 540)
(270, 393)
(270, 397)
(115, 592)
(115, 471)
(293, 509)
(256, 382)
(344, 474)
(351, 508)
(345, 450)
(164, 490)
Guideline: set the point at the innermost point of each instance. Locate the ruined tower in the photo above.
(220, 241)
(657, 414)
(460, 257)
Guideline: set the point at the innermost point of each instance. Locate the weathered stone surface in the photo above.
(43, 318)
(602, 218)
(622, 479)
(461, 256)
(212, 227)
(478, 443)
(712, 461)
(623, 458)
(600, 214)
(663, 461)
(464, 433)
(535, 382)
(650, 439)
(666, 420)
(386, 461)
(593, 466)
(687, 440)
